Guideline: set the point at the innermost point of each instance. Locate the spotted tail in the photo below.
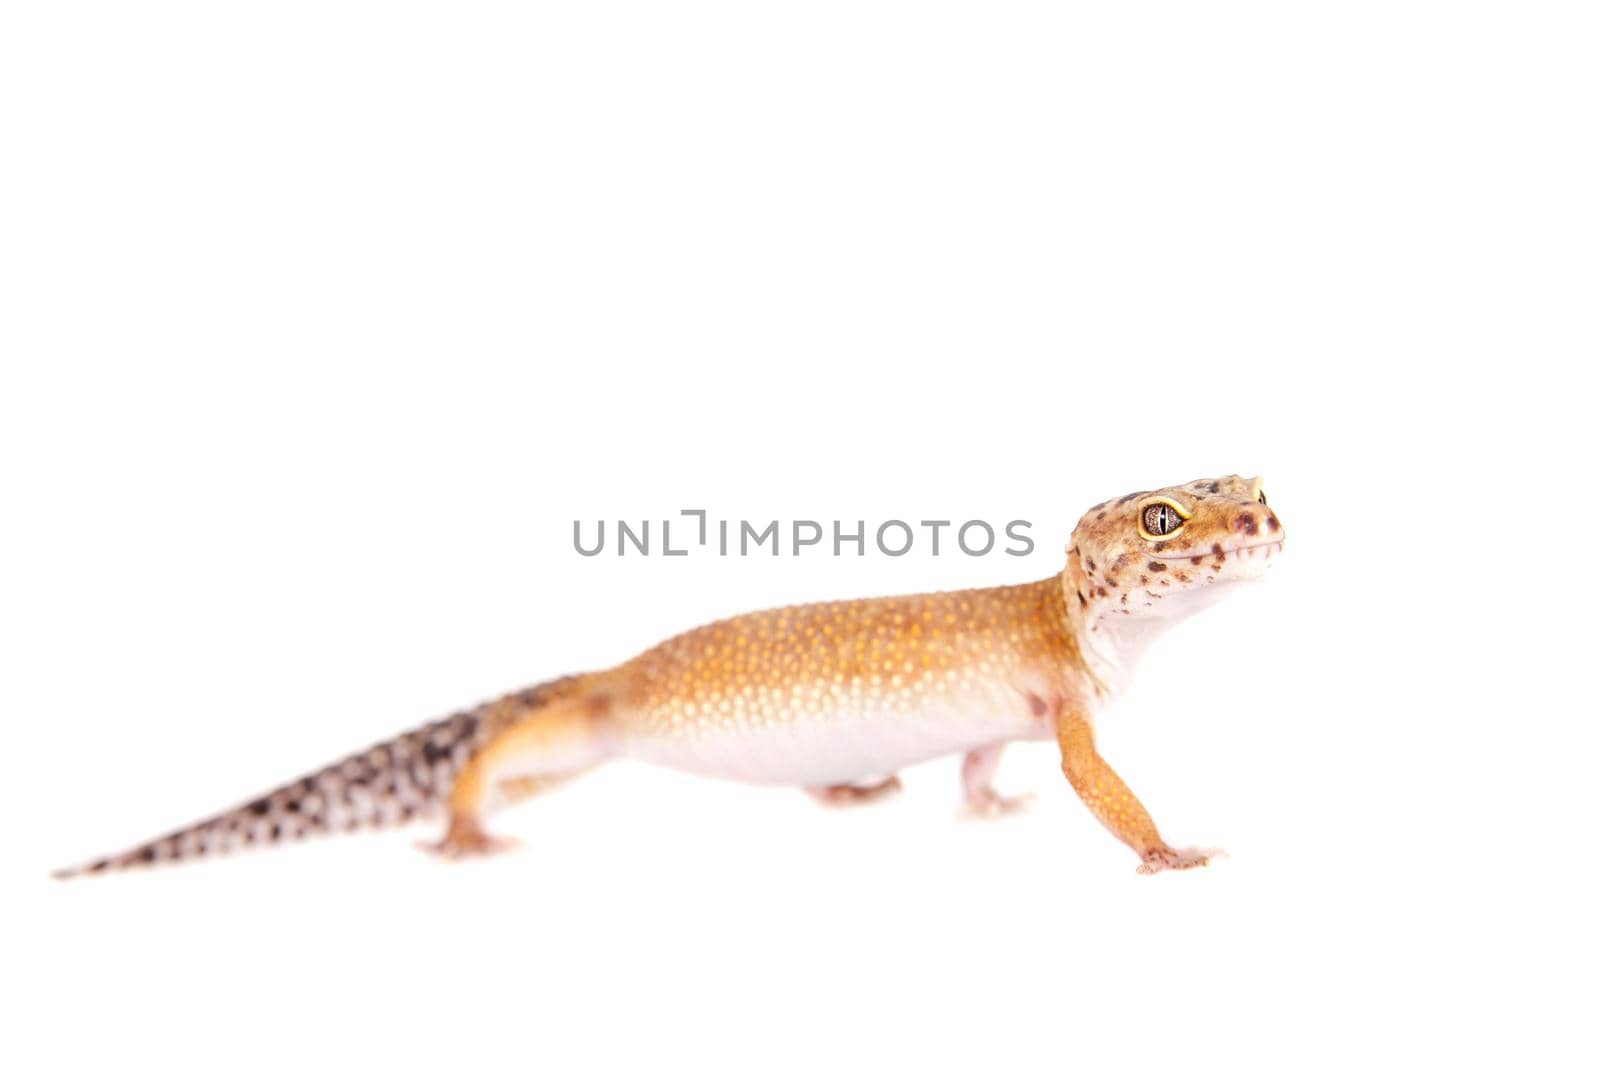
(388, 784)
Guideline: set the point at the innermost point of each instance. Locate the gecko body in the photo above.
(832, 697)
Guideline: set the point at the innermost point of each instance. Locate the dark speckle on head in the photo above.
(1273, 523)
(1157, 567)
(1216, 549)
(1245, 523)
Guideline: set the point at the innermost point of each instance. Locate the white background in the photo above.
(322, 322)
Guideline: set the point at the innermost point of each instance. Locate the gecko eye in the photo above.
(1161, 520)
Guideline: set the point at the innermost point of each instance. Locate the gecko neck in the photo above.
(1113, 640)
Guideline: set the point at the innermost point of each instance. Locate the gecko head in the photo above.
(1162, 551)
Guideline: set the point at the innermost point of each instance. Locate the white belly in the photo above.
(832, 749)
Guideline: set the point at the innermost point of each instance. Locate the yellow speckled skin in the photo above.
(832, 697)
(824, 668)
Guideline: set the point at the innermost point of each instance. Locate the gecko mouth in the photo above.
(1267, 547)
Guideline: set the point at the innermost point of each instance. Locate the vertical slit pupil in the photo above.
(1161, 519)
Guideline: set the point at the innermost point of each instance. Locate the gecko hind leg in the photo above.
(465, 838)
(977, 785)
(547, 748)
(854, 795)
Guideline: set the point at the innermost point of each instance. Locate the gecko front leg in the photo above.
(977, 784)
(1114, 803)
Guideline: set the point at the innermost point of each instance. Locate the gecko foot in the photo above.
(987, 803)
(854, 795)
(465, 839)
(1165, 858)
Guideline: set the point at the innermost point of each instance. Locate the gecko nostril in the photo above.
(1273, 523)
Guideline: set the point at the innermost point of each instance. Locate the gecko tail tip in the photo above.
(68, 873)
